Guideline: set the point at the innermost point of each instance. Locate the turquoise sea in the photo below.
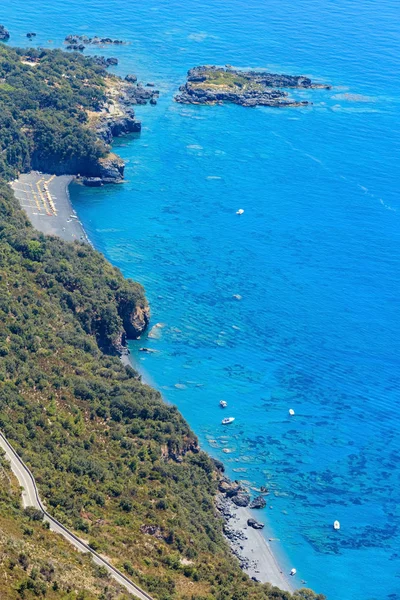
(314, 258)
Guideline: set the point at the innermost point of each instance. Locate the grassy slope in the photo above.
(35, 562)
(228, 81)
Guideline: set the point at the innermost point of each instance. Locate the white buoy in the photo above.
(291, 412)
(293, 572)
(336, 525)
(240, 211)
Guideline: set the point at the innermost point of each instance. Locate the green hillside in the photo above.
(112, 461)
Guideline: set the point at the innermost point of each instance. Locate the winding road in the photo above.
(30, 497)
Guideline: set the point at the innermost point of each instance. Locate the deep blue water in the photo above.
(315, 258)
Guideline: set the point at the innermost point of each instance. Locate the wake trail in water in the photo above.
(329, 170)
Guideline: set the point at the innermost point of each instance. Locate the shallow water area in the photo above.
(293, 304)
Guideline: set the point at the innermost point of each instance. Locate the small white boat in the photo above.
(336, 525)
(291, 412)
(227, 420)
(223, 403)
(240, 211)
(293, 572)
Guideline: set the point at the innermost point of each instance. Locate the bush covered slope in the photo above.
(35, 563)
(111, 459)
(44, 110)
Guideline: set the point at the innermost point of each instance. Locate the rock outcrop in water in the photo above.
(211, 85)
(95, 41)
(258, 502)
(234, 491)
(4, 34)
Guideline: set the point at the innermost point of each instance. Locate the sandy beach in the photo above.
(263, 564)
(45, 199)
(255, 554)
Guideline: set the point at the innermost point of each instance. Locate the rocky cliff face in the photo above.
(116, 118)
(133, 309)
(110, 128)
(125, 318)
(137, 321)
(109, 169)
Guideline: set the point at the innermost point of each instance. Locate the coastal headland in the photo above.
(211, 85)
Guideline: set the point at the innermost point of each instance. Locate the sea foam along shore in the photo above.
(249, 545)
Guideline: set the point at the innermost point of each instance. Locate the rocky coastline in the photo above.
(76, 39)
(217, 85)
(116, 118)
(243, 534)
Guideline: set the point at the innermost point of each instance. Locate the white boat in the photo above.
(291, 412)
(223, 403)
(227, 420)
(240, 211)
(336, 525)
(293, 572)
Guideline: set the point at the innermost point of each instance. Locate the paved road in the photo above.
(30, 497)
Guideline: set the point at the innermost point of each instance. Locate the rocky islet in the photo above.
(212, 85)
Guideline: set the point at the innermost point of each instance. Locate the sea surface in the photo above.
(294, 304)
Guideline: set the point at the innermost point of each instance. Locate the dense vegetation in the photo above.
(45, 97)
(35, 563)
(111, 459)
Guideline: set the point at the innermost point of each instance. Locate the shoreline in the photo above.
(45, 199)
(249, 545)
